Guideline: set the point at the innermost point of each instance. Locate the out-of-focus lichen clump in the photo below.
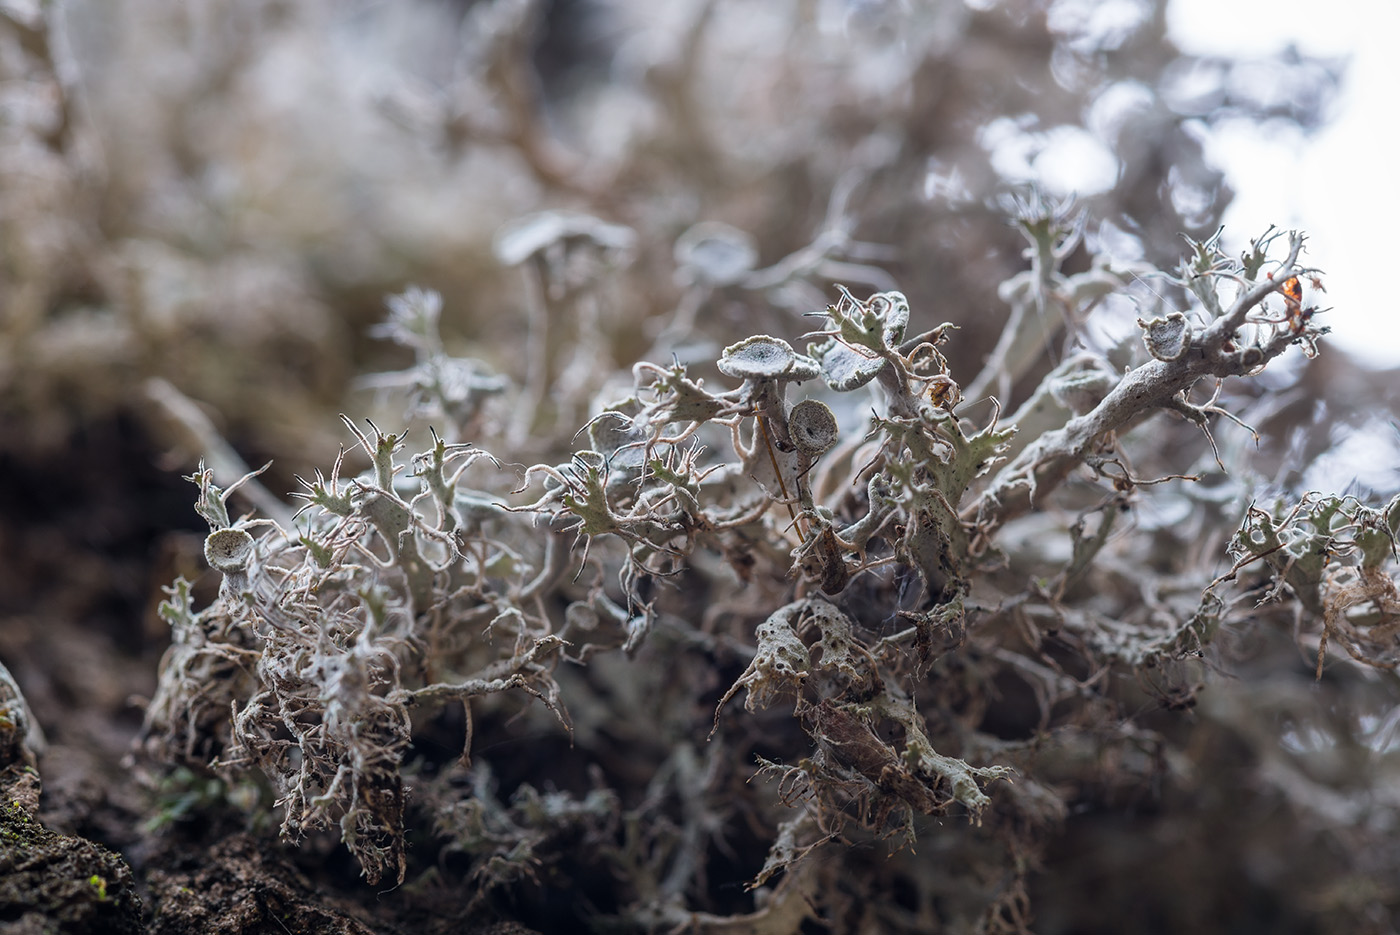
(770, 512)
(218, 193)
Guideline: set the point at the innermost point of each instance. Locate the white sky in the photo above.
(1340, 186)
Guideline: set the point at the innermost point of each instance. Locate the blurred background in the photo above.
(256, 175)
(204, 202)
(1322, 182)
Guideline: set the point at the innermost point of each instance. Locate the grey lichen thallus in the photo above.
(792, 438)
(766, 365)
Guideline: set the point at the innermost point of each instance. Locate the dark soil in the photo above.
(62, 883)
